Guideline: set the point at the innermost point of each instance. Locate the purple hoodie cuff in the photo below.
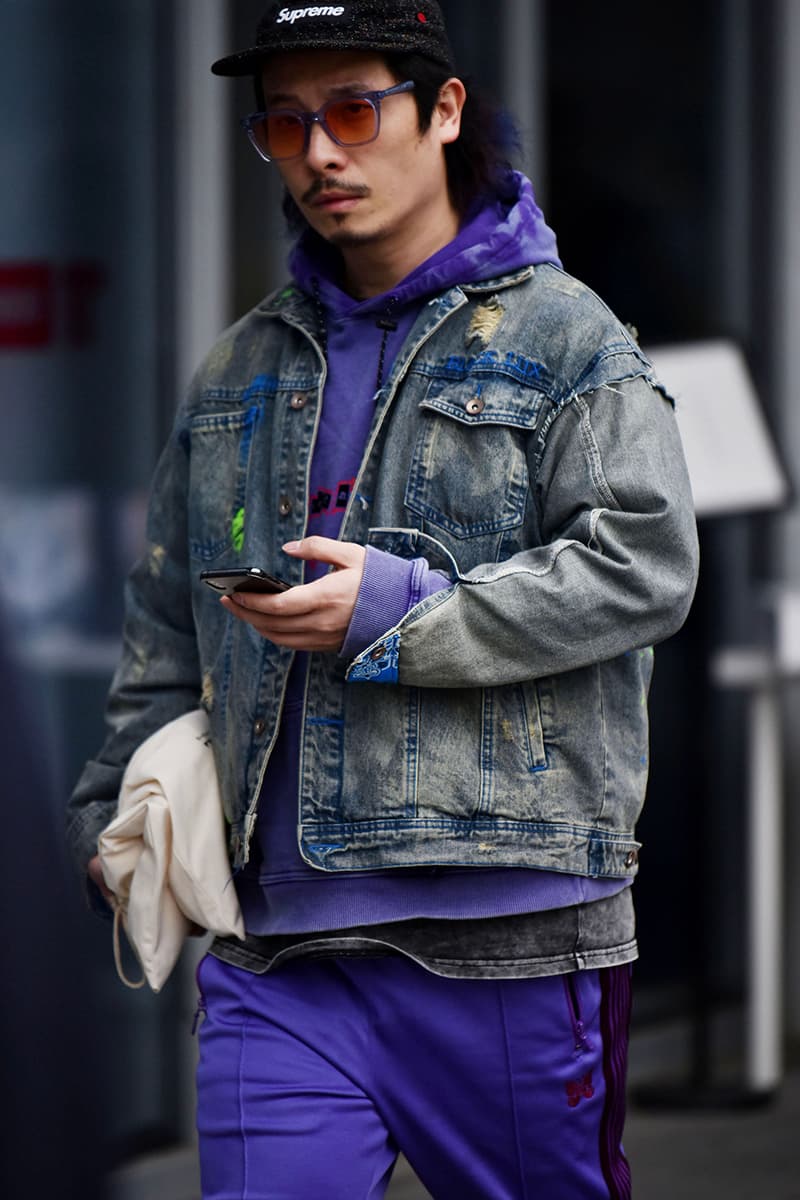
(390, 587)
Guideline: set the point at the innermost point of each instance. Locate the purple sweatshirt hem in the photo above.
(340, 902)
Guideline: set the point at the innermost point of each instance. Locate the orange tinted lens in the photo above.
(352, 121)
(281, 134)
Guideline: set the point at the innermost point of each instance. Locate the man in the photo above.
(433, 747)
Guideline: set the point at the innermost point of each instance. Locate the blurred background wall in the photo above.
(135, 223)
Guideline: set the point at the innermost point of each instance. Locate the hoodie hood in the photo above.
(499, 236)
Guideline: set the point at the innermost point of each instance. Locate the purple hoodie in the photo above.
(278, 891)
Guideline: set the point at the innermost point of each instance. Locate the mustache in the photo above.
(324, 184)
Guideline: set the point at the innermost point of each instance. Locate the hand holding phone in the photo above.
(243, 579)
(314, 617)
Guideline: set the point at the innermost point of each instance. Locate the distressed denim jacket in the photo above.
(521, 444)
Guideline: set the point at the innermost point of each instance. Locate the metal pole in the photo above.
(523, 54)
(784, 314)
(785, 306)
(203, 228)
(203, 183)
(763, 1064)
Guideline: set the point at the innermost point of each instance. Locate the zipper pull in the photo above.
(201, 1009)
(578, 1023)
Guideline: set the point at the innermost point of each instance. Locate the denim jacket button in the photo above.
(259, 726)
(378, 652)
(299, 400)
(631, 858)
(475, 405)
(284, 506)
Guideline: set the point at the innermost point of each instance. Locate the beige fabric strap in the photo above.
(131, 983)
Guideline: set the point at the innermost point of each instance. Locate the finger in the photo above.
(323, 630)
(297, 633)
(322, 620)
(327, 550)
(298, 600)
(300, 626)
(305, 598)
(307, 640)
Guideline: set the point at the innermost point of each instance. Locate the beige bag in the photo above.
(164, 855)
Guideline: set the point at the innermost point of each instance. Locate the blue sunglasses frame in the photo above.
(307, 119)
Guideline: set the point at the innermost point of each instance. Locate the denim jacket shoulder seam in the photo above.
(593, 456)
(559, 405)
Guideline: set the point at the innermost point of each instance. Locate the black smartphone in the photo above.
(243, 579)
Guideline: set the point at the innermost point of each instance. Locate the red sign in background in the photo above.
(27, 304)
(37, 297)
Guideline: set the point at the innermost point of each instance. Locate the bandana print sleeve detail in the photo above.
(381, 665)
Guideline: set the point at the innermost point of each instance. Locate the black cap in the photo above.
(407, 26)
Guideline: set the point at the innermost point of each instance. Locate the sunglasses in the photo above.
(281, 133)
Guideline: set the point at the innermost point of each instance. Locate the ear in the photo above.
(449, 106)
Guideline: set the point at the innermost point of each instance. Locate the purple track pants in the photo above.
(312, 1078)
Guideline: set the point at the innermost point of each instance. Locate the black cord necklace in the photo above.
(387, 323)
(322, 324)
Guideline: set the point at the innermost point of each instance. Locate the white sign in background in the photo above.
(731, 456)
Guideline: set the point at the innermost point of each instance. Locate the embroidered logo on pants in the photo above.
(579, 1089)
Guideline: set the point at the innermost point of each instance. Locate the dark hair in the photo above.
(478, 162)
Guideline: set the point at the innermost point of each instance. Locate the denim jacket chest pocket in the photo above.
(219, 448)
(469, 472)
